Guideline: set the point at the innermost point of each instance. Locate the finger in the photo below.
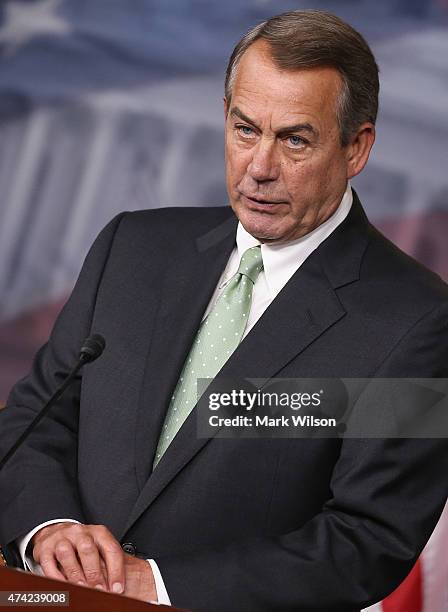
(43, 555)
(49, 566)
(103, 567)
(61, 569)
(66, 556)
(113, 556)
(90, 560)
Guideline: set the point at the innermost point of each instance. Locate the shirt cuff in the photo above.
(22, 544)
(162, 594)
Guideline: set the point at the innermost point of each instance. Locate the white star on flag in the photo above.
(25, 21)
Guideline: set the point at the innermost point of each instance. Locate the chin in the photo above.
(261, 226)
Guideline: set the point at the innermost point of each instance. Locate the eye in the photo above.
(296, 142)
(245, 131)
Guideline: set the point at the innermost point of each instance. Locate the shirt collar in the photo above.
(281, 261)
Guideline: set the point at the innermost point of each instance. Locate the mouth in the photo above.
(257, 203)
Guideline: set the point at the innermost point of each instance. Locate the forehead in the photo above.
(265, 87)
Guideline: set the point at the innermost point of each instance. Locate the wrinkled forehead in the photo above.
(261, 87)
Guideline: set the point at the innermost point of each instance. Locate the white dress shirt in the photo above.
(280, 262)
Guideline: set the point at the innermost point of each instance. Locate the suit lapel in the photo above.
(189, 283)
(306, 307)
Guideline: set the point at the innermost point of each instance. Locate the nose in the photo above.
(264, 165)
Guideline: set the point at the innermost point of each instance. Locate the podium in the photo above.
(15, 582)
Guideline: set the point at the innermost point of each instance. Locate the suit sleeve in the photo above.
(40, 481)
(387, 495)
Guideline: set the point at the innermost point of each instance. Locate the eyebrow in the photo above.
(298, 127)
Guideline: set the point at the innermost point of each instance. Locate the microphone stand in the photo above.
(91, 349)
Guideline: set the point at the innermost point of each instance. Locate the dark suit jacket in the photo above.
(235, 524)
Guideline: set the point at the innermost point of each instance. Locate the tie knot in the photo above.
(251, 263)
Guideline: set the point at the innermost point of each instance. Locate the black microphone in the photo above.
(91, 349)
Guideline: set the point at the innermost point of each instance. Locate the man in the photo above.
(234, 524)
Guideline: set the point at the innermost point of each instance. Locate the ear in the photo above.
(226, 107)
(358, 150)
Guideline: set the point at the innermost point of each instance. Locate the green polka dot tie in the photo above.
(218, 336)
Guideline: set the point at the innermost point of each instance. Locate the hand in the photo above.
(82, 554)
(139, 582)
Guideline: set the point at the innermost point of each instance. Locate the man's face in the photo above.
(286, 170)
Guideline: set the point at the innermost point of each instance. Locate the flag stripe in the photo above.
(408, 597)
(435, 568)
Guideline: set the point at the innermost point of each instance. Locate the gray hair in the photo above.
(308, 39)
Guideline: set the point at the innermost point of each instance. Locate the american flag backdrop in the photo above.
(110, 105)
